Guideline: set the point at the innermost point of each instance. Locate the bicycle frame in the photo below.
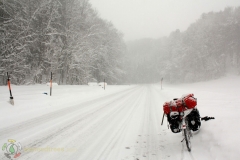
(186, 132)
(185, 113)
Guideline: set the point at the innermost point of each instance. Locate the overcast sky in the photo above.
(155, 18)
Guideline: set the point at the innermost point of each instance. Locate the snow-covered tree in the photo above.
(59, 36)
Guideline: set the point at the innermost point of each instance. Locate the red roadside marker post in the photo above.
(9, 87)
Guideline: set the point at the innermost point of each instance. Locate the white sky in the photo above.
(155, 18)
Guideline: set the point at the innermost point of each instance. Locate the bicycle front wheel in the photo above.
(187, 139)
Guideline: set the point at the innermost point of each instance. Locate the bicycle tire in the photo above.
(187, 139)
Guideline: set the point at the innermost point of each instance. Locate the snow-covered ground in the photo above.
(119, 123)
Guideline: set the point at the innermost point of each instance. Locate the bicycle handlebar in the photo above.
(206, 118)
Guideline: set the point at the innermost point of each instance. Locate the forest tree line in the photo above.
(65, 37)
(68, 38)
(208, 49)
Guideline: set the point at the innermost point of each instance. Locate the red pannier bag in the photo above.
(180, 105)
(189, 101)
(173, 106)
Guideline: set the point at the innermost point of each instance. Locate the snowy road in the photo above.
(121, 124)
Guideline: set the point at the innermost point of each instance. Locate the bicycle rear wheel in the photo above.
(187, 139)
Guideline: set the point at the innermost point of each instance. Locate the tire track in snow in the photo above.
(25, 126)
(121, 133)
(14, 129)
(149, 137)
(101, 147)
(152, 142)
(76, 125)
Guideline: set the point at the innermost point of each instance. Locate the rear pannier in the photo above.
(174, 109)
(189, 101)
(179, 105)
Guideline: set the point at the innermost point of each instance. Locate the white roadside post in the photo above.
(161, 82)
(51, 85)
(104, 84)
